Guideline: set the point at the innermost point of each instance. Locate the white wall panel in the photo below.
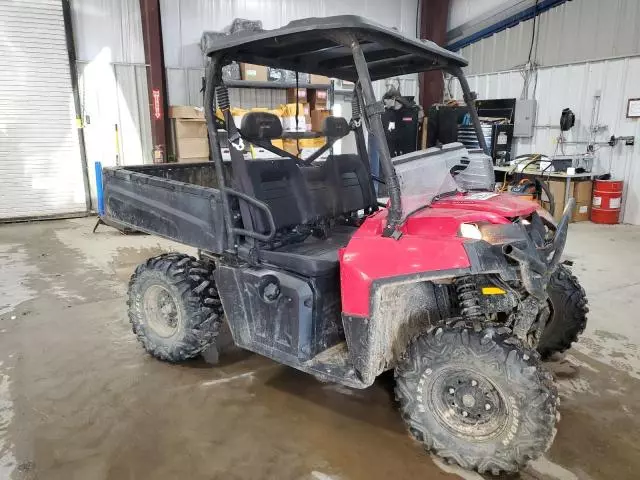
(183, 22)
(108, 27)
(574, 86)
(113, 95)
(463, 11)
(113, 82)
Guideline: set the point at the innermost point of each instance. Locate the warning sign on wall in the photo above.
(157, 111)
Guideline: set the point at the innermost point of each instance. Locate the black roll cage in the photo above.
(346, 47)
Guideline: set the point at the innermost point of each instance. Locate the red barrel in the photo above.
(607, 200)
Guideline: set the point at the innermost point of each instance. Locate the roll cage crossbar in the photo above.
(346, 47)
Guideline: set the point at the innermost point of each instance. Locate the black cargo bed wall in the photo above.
(202, 174)
(150, 199)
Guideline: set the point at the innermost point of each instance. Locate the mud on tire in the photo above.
(477, 399)
(568, 313)
(174, 307)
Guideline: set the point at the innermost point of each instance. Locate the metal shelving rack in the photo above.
(280, 85)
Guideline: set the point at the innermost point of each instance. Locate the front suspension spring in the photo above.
(469, 300)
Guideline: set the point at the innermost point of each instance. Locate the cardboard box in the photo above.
(186, 111)
(254, 73)
(582, 191)
(317, 118)
(582, 212)
(291, 95)
(318, 99)
(556, 187)
(190, 128)
(192, 148)
(321, 79)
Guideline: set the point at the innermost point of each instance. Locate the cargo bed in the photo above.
(180, 202)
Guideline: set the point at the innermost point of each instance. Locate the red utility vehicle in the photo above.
(457, 288)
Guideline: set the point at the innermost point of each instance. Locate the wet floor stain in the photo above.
(7, 459)
(14, 270)
(79, 398)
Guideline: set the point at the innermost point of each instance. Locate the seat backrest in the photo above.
(261, 126)
(354, 183)
(279, 184)
(321, 189)
(335, 127)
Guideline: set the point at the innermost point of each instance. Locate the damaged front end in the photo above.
(503, 284)
(522, 255)
(542, 254)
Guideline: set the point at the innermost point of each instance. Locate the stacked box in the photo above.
(190, 139)
(319, 79)
(301, 95)
(580, 191)
(317, 118)
(318, 99)
(254, 73)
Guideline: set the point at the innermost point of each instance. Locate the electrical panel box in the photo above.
(524, 118)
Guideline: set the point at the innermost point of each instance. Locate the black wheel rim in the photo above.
(161, 311)
(467, 403)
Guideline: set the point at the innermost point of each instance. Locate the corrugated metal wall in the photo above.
(585, 48)
(112, 78)
(575, 86)
(576, 31)
(183, 22)
(40, 164)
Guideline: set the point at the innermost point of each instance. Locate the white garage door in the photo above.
(40, 164)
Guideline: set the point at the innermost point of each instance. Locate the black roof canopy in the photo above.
(312, 45)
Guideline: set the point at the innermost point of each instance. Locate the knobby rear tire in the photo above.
(190, 285)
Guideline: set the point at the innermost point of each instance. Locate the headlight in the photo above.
(470, 230)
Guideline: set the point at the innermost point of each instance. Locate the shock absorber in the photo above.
(222, 97)
(469, 301)
(356, 112)
(355, 105)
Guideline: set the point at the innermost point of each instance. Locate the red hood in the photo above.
(503, 204)
(444, 216)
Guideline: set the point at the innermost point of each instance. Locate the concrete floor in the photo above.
(79, 398)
